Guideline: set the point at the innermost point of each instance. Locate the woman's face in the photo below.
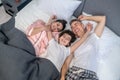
(56, 27)
(65, 39)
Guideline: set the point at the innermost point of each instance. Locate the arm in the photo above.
(49, 33)
(79, 42)
(36, 27)
(99, 19)
(37, 30)
(53, 17)
(65, 66)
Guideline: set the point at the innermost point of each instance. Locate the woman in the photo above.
(37, 35)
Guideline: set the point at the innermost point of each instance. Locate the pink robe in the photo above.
(39, 40)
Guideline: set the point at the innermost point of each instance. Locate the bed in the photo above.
(109, 66)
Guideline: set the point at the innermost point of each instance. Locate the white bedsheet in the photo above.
(109, 65)
(109, 56)
(109, 52)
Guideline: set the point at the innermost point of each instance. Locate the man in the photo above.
(84, 63)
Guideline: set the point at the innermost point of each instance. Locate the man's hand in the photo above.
(89, 27)
(82, 17)
(99, 19)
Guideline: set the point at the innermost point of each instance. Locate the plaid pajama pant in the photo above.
(76, 73)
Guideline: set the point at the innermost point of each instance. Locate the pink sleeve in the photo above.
(38, 23)
(41, 44)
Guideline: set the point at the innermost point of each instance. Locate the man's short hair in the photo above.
(74, 20)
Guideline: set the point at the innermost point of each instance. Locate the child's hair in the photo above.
(74, 20)
(73, 37)
(63, 22)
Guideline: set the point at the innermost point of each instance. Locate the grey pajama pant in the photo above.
(76, 73)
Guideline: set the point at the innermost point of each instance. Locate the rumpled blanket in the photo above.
(17, 57)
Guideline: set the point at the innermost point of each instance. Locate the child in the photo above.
(57, 52)
(37, 35)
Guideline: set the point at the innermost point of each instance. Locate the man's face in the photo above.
(77, 28)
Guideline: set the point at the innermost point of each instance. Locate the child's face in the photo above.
(65, 39)
(56, 27)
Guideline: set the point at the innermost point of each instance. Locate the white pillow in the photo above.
(62, 8)
(28, 15)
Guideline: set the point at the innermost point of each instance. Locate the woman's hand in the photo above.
(53, 17)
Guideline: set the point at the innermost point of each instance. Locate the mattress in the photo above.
(109, 65)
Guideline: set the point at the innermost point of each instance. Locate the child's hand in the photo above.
(82, 17)
(89, 27)
(62, 78)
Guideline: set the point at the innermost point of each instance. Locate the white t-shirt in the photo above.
(86, 55)
(57, 53)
